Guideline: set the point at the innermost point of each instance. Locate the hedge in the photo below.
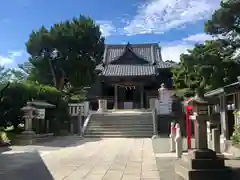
(18, 94)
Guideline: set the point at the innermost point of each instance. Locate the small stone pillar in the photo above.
(178, 141)
(209, 135)
(155, 123)
(216, 140)
(172, 137)
(80, 123)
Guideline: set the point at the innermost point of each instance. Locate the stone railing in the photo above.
(75, 108)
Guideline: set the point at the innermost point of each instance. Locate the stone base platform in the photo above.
(29, 139)
(202, 164)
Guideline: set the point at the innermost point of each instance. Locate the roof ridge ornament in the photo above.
(128, 46)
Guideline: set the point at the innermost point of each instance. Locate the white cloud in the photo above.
(158, 16)
(10, 58)
(172, 50)
(106, 27)
(5, 60)
(201, 37)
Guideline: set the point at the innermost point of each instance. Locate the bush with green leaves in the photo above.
(18, 94)
(236, 134)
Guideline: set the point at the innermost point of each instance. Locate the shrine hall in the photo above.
(129, 76)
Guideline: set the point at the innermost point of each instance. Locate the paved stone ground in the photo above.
(88, 159)
(166, 160)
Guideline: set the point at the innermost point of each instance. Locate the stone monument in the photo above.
(201, 163)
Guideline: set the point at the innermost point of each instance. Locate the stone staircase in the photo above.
(117, 124)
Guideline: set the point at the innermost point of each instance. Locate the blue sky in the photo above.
(175, 24)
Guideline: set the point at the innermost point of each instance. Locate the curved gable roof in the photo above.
(148, 52)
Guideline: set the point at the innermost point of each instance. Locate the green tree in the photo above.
(170, 61)
(26, 67)
(206, 66)
(225, 20)
(68, 50)
(5, 74)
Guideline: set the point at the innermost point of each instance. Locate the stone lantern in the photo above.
(40, 108)
(201, 163)
(200, 111)
(28, 116)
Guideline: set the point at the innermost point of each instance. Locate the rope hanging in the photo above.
(127, 86)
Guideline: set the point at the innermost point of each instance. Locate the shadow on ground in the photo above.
(23, 166)
(67, 141)
(162, 144)
(4, 149)
(59, 142)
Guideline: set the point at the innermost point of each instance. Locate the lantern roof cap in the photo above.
(40, 104)
(200, 99)
(28, 108)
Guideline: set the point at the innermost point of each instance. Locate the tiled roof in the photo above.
(128, 70)
(164, 64)
(149, 52)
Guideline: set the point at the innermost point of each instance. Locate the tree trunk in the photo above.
(53, 73)
(61, 80)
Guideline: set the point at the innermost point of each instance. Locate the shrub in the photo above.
(16, 96)
(236, 134)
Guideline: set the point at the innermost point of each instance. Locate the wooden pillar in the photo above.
(141, 91)
(115, 96)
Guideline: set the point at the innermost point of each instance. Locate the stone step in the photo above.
(117, 135)
(121, 124)
(121, 127)
(122, 116)
(122, 121)
(119, 119)
(118, 132)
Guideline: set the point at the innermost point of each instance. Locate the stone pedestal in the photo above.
(26, 138)
(202, 165)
